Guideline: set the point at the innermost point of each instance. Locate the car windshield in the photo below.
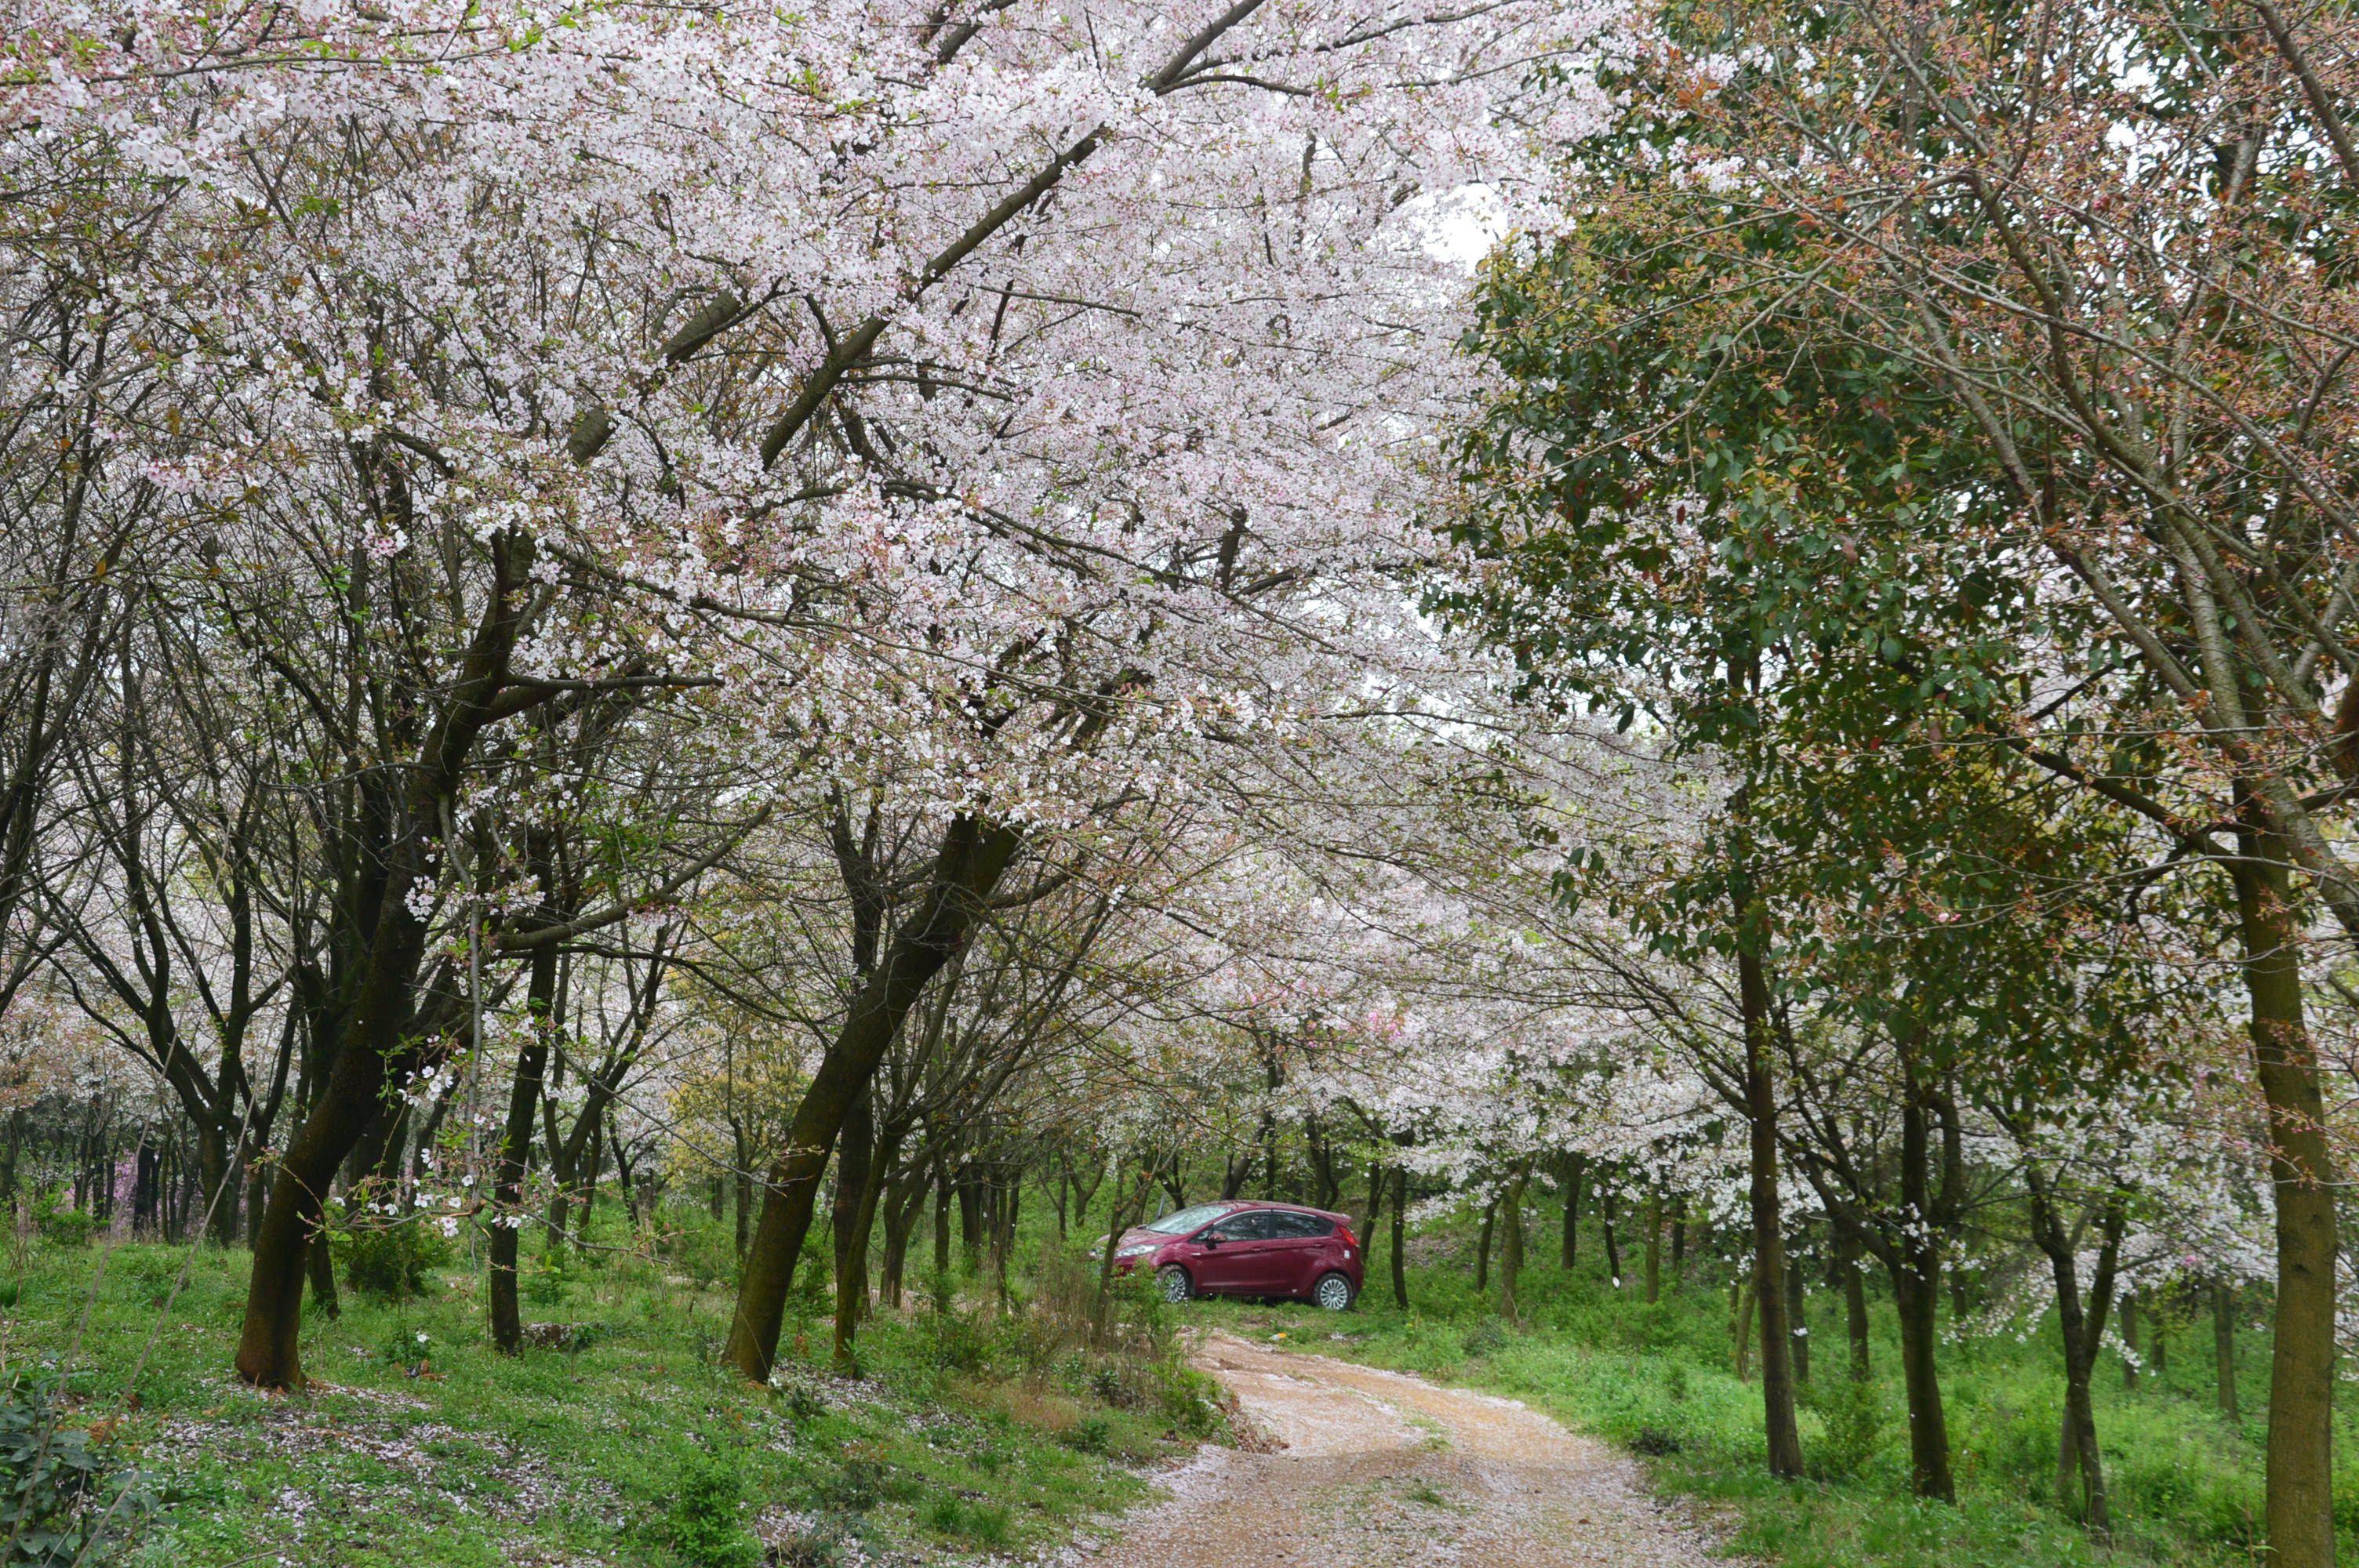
(1188, 1219)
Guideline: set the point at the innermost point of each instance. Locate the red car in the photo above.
(1248, 1250)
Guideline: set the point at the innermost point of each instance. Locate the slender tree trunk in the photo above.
(2224, 1346)
(973, 856)
(1654, 1211)
(740, 1182)
(2130, 1341)
(855, 1162)
(1123, 1215)
(8, 1158)
(320, 1267)
(943, 1218)
(216, 1172)
(1781, 1432)
(622, 1173)
(2300, 1466)
(1854, 1289)
(852, 1264)
(1400, 1234)
(516, 1150)
(970, 1212)
(2080, 1466)
(1915, 1298)
(1605, 1206)
(1576, 1177)
(1483, 1247)
(902, 1208)
(1511, 1243)
(1799, 1317)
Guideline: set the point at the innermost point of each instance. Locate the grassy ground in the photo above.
(2186, 1484)
(972, 1434)
(968, 1434)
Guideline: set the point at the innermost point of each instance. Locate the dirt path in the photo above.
(1379, 1470)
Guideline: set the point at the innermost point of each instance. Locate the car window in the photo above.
(1296, 1225)
(1188, 1219)
(1250, 1227)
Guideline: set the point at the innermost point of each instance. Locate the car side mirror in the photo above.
(1209, 1239)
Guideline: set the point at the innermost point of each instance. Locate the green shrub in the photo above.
(545, 1286)
(405, 1349)
(63, 1498)
(1187, 1399)
(1851, 1414)
(1484, 1336)
(855, 1488)
(390, 1260)
(961, 1341)
(704, 1526)
(61, 1224)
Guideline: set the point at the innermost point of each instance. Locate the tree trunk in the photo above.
(1782, 1433)
(1854, 1289)
(2082, 1330)
(973, 856)
(851, 1234)
(855, 1208)
(1483, 1247)
(942, 1219)
(1916, 1291)
(267, 1353)
(1400, 1233)
(1613, 1243)
(1654, 1248)
(970, 1213)
(1795, 1314)
(1576, 1177)
(217, 1177)
(320, 1267)
(516, 1150)
(1511, 1243)
(2224, 1346)
(1122, 1217)
(2300, 1470)
(8, 1156)
(903, 1204)
(1366, 1227)
(1929, 1434)
(2130, 1341)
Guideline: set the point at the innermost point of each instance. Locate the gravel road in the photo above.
(1371, 1469)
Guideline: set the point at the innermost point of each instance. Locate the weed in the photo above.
(1852, 1416)
(703, 1527)
(64, 1498)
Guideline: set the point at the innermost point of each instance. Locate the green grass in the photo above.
(2186, 1485)
(968, 1433)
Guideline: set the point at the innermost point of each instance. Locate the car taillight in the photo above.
(1349, 1240)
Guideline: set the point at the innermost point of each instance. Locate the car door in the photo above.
(1297, 1254)
(1236, 1257)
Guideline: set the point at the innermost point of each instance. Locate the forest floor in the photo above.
(1350, 1466)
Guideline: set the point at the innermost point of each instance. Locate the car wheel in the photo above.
(1334, 1293)
(1175, 1284)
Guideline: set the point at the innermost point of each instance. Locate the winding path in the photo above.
(1372, 1469)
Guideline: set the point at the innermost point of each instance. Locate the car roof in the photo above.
(1289, 1208)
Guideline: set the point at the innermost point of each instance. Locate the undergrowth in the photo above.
(2186, 1484)
(618, 1438)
